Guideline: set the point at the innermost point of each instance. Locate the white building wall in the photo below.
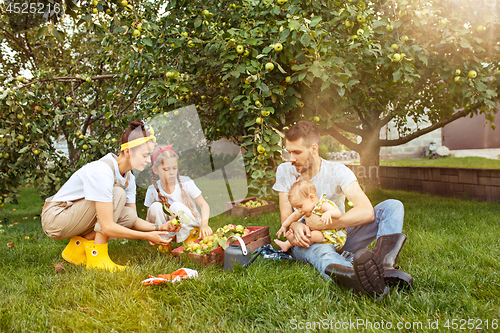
(411, 149)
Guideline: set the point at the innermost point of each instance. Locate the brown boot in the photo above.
(387, 249)
(366, 276)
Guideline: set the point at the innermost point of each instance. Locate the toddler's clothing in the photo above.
(337, 237)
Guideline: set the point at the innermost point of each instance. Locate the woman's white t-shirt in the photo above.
(94, 182)
(188, 185)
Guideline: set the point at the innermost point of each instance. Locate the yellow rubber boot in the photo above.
(74, 252)
(193, 235)
(98, 258)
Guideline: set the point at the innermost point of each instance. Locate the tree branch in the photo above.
(27, 52)
(340, 138)
(348, 128)
(439, 124)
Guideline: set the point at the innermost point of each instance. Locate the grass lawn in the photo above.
(454, 162)
(452, 252)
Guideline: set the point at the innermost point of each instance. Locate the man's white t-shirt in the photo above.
(188, 185)
(332, 179)
(94, 182)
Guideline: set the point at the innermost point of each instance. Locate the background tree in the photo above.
(252, 68)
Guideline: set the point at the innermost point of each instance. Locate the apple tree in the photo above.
(351, 66)
(252, 68)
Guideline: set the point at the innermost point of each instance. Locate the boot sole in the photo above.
(397, 278)
(370, 272)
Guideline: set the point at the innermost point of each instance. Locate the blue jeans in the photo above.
(389, 216)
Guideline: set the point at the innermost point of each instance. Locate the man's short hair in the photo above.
(304, 130)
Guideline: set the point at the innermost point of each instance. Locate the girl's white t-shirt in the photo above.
(94, 182)
(188, 185)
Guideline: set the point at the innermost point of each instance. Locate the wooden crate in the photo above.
(248, 211)
(257, 237)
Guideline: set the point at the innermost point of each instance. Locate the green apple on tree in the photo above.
(287, 79)
(458, 72)
(472, 74)
(278, 47)
(240, 49)
(396, 57)
(269, 66)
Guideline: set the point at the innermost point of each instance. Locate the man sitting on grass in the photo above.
(370, 271)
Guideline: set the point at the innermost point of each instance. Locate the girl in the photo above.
(179, 193)
(304, 198)
(98, 202)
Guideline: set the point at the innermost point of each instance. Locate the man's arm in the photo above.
(361, 212)
(285, 208)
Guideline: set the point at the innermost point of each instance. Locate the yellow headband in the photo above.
(140, 141)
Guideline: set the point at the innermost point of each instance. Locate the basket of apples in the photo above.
(249, 207)
(209, 250)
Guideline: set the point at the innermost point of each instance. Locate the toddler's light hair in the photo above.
(302, 188)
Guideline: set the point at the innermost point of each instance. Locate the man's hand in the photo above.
(315, 223)
(301, 234)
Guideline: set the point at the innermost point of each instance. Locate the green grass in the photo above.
(453, 162)
(452, 252)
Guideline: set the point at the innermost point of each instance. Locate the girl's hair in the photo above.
(164, 200)
(136, 129)
(302, 188)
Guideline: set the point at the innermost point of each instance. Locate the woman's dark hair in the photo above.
(136, 129)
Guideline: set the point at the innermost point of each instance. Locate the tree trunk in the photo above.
(369, 154)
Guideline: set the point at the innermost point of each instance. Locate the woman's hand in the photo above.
(205, 230)
(154, 238)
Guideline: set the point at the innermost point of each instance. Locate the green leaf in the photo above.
(397, 75)
(423, 59)
(197, 22)
(351, 83)
(148, 42)
(341, 91)
(251, 41)
(58, 35)
(315, 21)
(481, 86)
(264, 87)
(305, 40)
(316, 69)
(119, 30)
(42, 32)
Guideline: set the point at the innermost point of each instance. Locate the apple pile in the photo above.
(219, 238)
(253, 203)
